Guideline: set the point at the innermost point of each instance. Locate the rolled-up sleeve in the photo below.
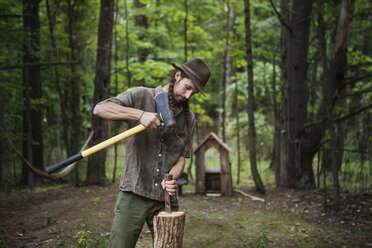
(124, 99)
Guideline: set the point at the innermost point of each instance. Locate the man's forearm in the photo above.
(177, 168)
(112, 111)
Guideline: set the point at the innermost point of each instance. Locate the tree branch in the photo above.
(280, 18)
(346, 150)
(317, 122)
(356, 93)
(10, 67)
(11, 16)
(356, 79)
(353, 114)
(350, 67)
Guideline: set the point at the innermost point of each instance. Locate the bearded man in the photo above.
(154, 152)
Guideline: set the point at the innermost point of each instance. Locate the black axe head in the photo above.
(166, 114)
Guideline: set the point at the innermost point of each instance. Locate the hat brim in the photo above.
(194, 79)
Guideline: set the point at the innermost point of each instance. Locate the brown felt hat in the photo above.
(198, 72)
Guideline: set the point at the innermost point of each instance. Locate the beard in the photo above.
(179, 100)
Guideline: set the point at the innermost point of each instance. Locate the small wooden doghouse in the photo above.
(213, 180)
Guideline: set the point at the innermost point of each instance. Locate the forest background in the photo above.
(290, 89)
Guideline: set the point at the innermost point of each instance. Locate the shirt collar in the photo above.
(158, 90)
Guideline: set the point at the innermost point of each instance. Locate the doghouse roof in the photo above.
(213, 136)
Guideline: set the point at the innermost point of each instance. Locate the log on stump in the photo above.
(168, 229)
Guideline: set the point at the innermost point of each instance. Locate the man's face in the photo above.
(184, 88)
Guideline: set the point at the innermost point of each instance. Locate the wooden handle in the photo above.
(113, 140)
(168, 207)
(95, 148)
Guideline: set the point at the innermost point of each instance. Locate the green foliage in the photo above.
(164, 41)
(88, 239)
(261, 241)
(151, 72)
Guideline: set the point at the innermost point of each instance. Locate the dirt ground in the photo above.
(58, 218)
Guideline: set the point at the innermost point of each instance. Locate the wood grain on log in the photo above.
(168, 229)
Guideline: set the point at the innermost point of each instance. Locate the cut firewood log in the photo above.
(168, 229)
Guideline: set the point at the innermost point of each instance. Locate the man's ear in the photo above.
(177, 76)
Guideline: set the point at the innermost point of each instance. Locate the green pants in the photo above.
(131, 212)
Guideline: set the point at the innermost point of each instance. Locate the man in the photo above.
(154, 152)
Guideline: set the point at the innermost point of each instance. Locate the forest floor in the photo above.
(287, 218)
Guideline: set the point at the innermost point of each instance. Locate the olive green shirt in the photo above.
(152, 153)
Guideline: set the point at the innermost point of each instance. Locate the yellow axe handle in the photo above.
(95, 148)
(112, 140)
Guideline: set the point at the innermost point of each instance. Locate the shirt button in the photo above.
(159, 154)
(156, 185)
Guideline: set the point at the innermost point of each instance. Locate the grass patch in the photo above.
(45, 189)
(263, 228)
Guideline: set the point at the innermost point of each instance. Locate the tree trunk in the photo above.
(141, 22)
(251, 102)
(363, 121)
(116, 125)
(185, 28)
(2, 157)
(32, 122)
(299, 170)
(127, 44)
(322, 53)
(76, 120)
(5, 155)
(277, 127)
(168, 229)
(338, 135)
(230, 17)
(314, 86)
(228, 57)
(280, 170)
(96, 172)
(237, 131)
(305, 140)
(332, 87)
(61, 95)
(332, 132)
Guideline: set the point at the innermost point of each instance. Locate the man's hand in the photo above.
(149, 120)
(170, 186)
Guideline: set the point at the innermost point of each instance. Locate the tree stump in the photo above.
(168, 229)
